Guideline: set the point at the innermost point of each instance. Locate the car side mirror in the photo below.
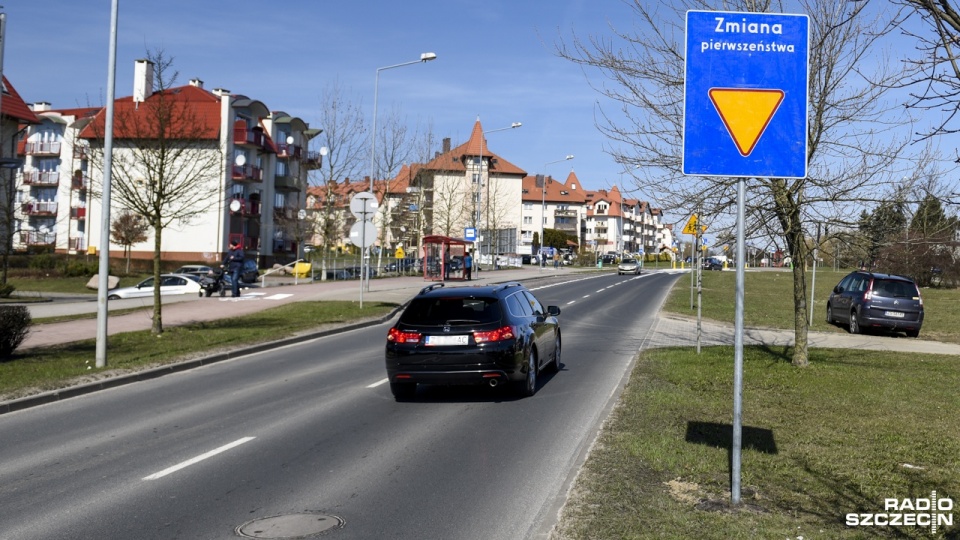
(553, 310)
(838, 289)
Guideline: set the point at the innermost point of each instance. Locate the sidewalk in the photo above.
(673, 330)
(187, 309)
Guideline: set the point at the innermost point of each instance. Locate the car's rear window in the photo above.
(452, 311)
(629, 261)
(894, 288)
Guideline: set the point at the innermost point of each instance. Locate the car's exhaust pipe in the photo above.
(494, 382)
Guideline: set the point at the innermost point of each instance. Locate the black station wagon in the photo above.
(487, 335)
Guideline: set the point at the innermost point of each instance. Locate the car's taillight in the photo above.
(399, 336)
(500, 334)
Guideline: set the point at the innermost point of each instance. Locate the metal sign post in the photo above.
(363, 205)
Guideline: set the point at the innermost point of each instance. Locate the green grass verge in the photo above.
(50, 368)
(852, 429)
(768, 302)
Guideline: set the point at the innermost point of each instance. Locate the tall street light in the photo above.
(424, 57)
(514, 125)
(543, 204)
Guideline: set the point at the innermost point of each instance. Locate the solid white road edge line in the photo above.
(198, 459)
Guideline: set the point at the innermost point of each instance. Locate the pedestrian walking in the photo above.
(468, 264)
(234, 264)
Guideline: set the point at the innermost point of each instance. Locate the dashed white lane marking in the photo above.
(378, 383)
(198, 459)
(277, 296)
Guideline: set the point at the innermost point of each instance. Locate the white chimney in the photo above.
(196, 82)
(40, 106)
(220, 92)
(142, 80)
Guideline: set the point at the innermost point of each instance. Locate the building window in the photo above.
(527, 220)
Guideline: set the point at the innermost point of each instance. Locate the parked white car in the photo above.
(169, 284)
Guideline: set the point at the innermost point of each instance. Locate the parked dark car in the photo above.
(486, 335)
(711, 263)
(867, 300)
(401, 265)
(608, 259)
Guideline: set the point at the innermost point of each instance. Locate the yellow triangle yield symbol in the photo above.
(746, 112)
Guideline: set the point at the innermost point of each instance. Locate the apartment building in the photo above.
(550, 204)
(251, 193)
(14, 115)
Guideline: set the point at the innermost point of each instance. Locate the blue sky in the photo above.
(495, 60)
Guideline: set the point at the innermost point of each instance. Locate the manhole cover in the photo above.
(290, 526)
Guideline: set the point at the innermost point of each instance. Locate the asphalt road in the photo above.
(312, 429)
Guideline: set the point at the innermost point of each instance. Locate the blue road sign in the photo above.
(745, 95)
(470, 234)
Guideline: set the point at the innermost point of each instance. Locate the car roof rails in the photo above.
(507, 285)
(429, 288)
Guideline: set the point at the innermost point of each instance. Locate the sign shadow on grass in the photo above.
(721, 436)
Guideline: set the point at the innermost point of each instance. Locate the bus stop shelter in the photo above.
(443, 258)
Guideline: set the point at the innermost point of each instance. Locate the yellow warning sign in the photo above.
(691, 226)
(746, 112)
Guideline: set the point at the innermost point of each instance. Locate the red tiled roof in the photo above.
(454, 159)
(14, 107)
(137, 121)
(557, 192)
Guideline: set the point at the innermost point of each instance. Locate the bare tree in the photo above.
(499, 207)
(344, 137)
(935, 75)
(449, 205)
(166, 163)
(852, 131)
(396, 144)
(128, 229)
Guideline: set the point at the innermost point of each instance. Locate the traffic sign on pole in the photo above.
(745, 95)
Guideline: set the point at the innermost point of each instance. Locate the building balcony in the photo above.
(38, 238)
(565, 213)
(42, 148)
(249, 137)
(75, 243)
(285, 150)
(78, 213)
(41, 178)
(565, 226)
(313, 161)
(286, 183)
(39, 208)
(247, 208)
(80, 184)
(247, 173)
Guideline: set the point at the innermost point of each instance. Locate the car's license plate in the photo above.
(894, 314)
(434, 341)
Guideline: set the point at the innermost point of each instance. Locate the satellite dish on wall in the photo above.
(240, 160)
(289, 139)
(235, 205)
(324, 151)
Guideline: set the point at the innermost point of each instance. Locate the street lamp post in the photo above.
(476, 218)
(424, 57)
(543, 204)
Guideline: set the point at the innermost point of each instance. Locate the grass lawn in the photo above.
(50, 368)
(838, 437)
